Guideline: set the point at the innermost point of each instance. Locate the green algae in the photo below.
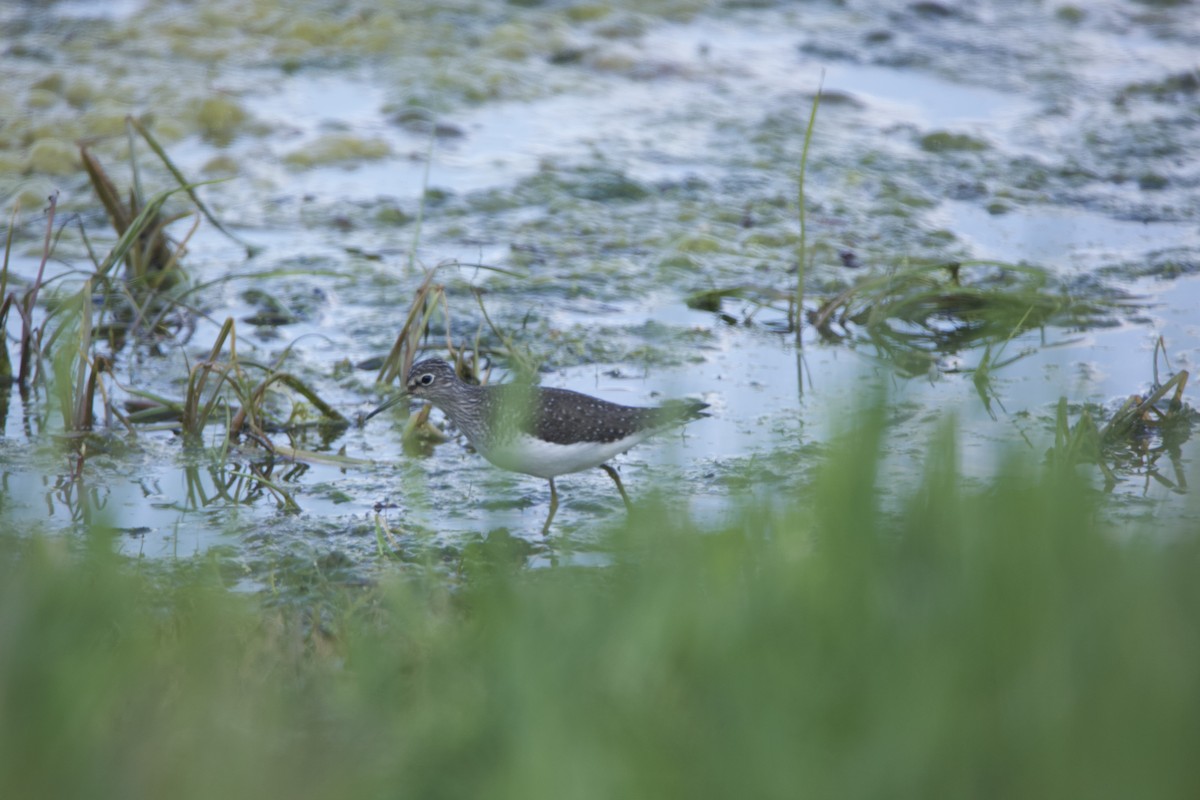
(220, 118)
(52, 157)
(338, 149)
(944, 141)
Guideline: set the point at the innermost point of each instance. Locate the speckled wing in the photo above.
(566, 417)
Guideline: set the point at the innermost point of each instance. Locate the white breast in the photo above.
(533, 456)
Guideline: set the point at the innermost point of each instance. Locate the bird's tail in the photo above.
(678, 412)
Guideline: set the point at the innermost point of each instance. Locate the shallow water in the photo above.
(659, 159)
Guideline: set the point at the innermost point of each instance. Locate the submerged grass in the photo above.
(1003, 641)
(111, 304)
(913, 315)
(1137, 435)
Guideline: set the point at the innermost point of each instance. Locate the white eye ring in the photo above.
(426, 379)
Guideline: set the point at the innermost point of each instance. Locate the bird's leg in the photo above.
(553, 508)
(612, 473)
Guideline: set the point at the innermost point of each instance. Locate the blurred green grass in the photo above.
(1004, 641)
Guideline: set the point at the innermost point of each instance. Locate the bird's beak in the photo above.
(391, 401)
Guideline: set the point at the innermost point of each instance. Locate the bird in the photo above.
(540, 431)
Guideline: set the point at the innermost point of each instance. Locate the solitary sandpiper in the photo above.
(539, 431)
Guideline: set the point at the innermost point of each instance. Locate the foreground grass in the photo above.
(963, 643)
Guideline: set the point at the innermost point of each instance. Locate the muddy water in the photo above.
(615, 160)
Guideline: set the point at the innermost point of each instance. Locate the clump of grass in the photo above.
(248, 413)
(154, 282)
(467, 360)
(914, 314)
(31, 335)
(1136, 435)
(76, 372)
(949, 641)
(112, 302)
(427, 298)
(151, 261)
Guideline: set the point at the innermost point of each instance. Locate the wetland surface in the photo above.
(618, 186)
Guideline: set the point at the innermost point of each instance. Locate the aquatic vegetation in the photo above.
(913, 314)
(1137, 434)
(146, 302)
(944, 141)
(333, 149)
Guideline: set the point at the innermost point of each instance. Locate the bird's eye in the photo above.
(426, 379)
